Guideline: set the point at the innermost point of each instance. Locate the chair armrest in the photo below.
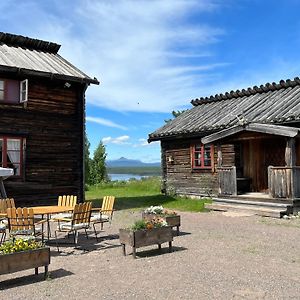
(40, 222)
(95, 209)
(63, 219)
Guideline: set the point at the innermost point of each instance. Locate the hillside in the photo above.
(129, 163)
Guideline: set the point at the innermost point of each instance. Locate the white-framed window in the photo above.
(13, 91)
(24, 91)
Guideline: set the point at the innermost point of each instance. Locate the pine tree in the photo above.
(98, 166)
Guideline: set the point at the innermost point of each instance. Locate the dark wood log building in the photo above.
(242, 148)
(42, 100)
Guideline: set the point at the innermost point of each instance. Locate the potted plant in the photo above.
(146, 233)
(21, 254)
(171, 217)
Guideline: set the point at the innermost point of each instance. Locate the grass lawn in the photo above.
(139, 194)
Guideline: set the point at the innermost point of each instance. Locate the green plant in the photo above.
(154, 223)
(18, 245)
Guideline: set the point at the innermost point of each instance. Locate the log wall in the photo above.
(178, 175)
(53, 127)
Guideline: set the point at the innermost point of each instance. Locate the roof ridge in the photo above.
(248, 92)
(29, 43)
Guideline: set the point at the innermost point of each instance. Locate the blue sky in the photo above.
(153, 57)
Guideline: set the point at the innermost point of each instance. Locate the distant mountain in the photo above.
(125, 162)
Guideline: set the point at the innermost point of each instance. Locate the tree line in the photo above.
(95, 168)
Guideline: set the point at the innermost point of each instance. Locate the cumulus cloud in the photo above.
(104, 122)
(143, 52)
(121, 140)
(144, 143)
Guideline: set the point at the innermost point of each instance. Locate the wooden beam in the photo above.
(219, 159)
(277, 130)
(290, 153)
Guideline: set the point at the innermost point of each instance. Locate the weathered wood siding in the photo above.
(178, 175)
(53, 128)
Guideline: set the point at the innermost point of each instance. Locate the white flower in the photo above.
(154, 210)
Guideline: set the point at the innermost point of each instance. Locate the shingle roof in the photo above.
(36, 57)
(274, 103)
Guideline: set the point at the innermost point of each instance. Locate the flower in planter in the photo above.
(148, 225)
(156, 210)
(159, 210)
(18, 245)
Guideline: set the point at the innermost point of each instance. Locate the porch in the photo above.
(264, 173)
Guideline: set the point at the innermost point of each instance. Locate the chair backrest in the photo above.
(67, 200)
(108, 205)
(20, 218)
(5, 204)
(82, 213)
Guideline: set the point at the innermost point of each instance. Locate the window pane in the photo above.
(13, 144)
(13, 150)
(1, 85)
(1, 95)
(207, 156)
(197, 147)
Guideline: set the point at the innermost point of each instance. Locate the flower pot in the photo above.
(142, 238)
(172, 220)
(18, 261)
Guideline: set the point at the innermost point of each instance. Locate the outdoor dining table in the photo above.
(47, 211)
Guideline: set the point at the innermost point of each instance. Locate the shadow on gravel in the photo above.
(31, 279)
(84, 246)
(181, 233)
(156, 252)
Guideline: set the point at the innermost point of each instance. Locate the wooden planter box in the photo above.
(172, 220)
(18, 261)
(142, 238)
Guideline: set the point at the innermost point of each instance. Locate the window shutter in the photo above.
(24, 91)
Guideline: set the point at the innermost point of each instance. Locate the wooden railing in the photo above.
(227, 180)
(283, 182)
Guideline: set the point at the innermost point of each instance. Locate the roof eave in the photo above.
(50, 75)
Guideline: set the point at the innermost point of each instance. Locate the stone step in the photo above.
(249, 202)
(274, 212)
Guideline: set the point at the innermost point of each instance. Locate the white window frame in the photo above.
(22, 91)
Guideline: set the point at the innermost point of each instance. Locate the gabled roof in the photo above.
(36, 57)
(275, 103)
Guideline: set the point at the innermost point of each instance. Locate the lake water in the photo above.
(125, 177)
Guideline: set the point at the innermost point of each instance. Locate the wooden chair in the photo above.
(65, 200)
(80, 220)
(4, 205)
(21, 222)
(105, 213)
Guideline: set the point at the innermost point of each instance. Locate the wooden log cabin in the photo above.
(42, 101)
(241, 148)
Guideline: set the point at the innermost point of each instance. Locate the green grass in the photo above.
(139, 194)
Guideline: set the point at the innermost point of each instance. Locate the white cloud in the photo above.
(144, 143)
(141, 51)
(121, 140)
(104, 122)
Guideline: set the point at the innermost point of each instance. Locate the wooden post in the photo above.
(290, 161)
(290, 153)
(219, 160)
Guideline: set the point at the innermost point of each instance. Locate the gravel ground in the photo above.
(216, 256)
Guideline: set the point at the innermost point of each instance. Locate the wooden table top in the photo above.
(47, 210)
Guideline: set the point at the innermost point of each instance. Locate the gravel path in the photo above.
(216, 256)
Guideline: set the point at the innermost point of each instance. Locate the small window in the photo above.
(13, 91)
(11, 153)
(202, 156)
